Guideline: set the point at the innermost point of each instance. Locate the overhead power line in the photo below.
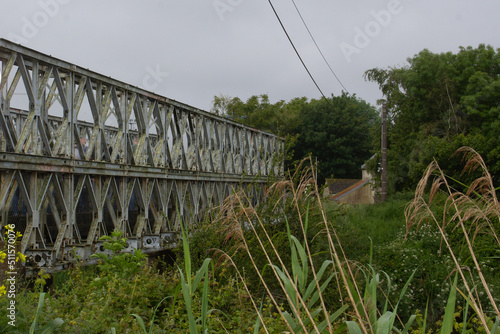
(295, 49)
(310, 34)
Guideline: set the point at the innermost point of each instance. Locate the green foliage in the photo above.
(41, 280)
(33, 315)
(309, 305)
(258, 112)
(338, 130)
(86, 308)
(304, 292)
(448, 318)
(443, 151)
(51, 326)
(356, 225)
(436, 104)
(383, 324)
(189, 287)
(112, 303)
(399, 253)
(120, 264)
(142, 325)
(297, 246)
(422, 253)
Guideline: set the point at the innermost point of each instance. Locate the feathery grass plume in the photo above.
(239, 217)
(470, 213)
(348, 280)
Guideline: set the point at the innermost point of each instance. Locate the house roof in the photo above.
(350, 189)
(335, 186)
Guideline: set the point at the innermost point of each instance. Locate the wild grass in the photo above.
(470, 213)
(304, 280)
(356, 225)
(308, 278)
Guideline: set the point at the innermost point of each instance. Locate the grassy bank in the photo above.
(419, 263)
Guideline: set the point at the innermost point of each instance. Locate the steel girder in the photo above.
(83, 154)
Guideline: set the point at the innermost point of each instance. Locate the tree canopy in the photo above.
(337, 131)
(438, 103)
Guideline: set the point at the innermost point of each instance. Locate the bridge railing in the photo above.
(83, 154)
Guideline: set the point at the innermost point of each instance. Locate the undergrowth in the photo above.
(298, 264)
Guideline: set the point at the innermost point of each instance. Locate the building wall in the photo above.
(362, 195)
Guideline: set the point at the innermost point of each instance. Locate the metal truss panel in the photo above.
(82, 154)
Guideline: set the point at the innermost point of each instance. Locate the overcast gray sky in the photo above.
(192, 50)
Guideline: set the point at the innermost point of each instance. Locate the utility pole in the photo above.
(316, 174)
(384, 154)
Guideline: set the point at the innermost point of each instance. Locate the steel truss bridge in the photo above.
(82, 154)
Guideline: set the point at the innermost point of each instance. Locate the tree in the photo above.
(338, 132)
(437, 102)
(335, 130)
(221, 105)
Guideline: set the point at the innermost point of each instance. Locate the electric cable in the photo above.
(369, 132)
(295, 49)
(310, 34)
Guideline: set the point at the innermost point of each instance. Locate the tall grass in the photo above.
(364, 307)
(317, 288)
(382, 223)
(190, 285)
(51, 327)
(473, 212)
(304, 280)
